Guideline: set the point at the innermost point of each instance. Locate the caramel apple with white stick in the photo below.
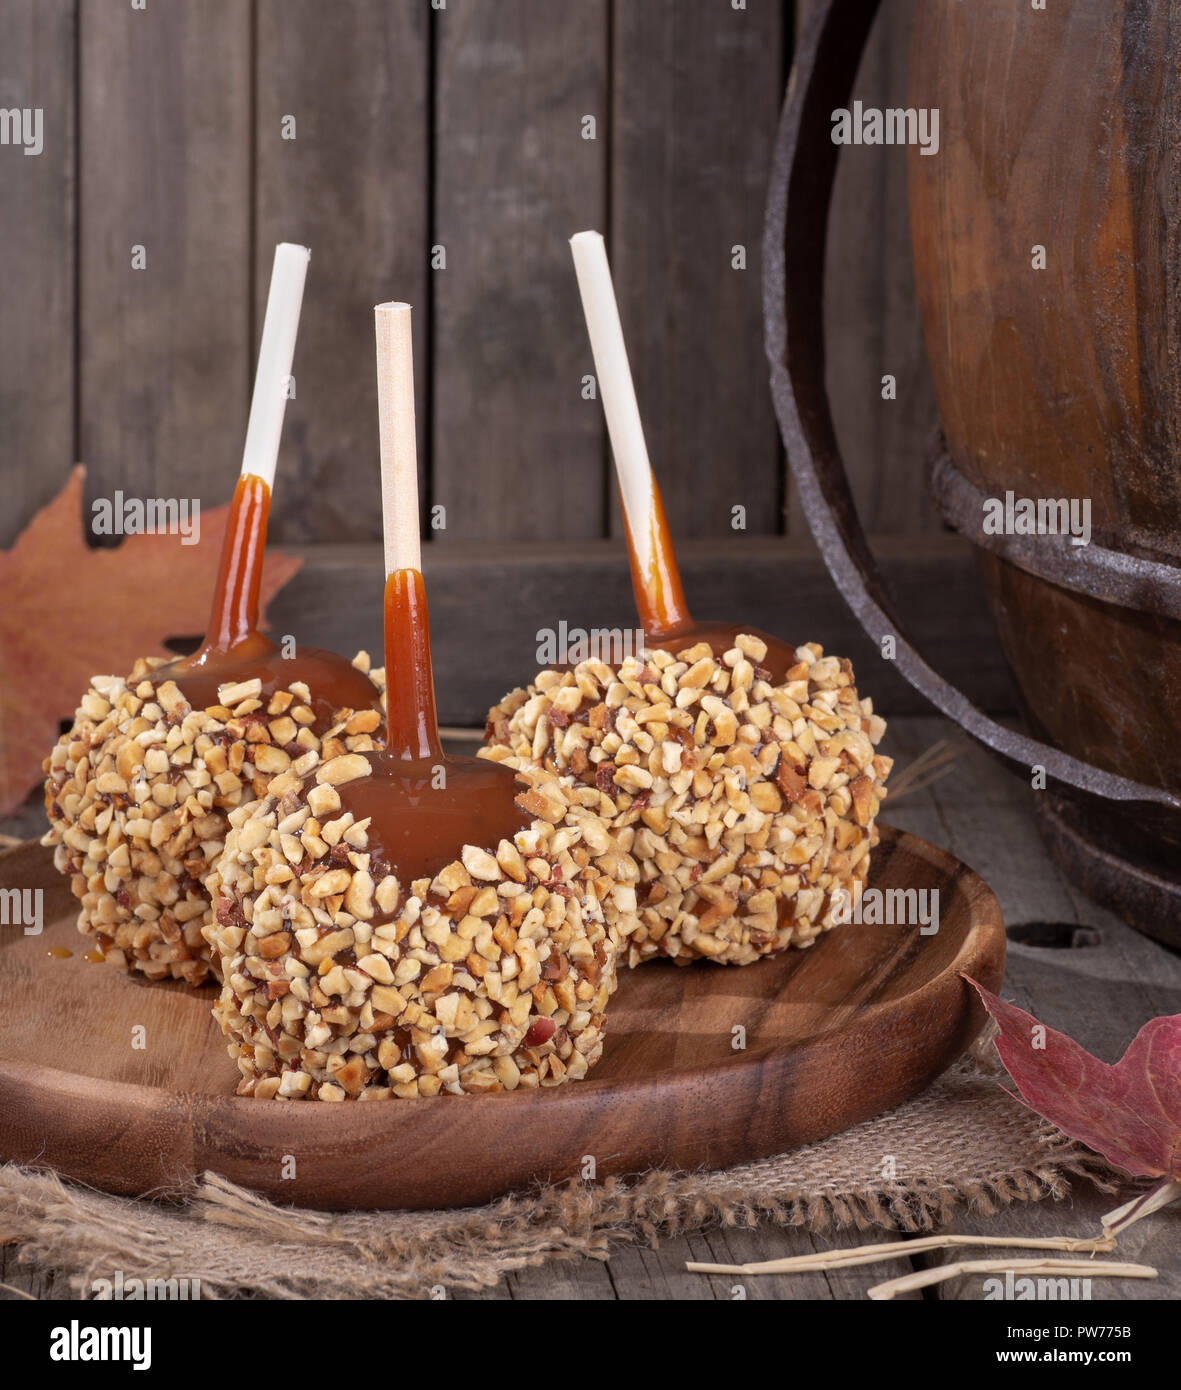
(656, 580)
(405, 923)
(741, 770)
(138, 788)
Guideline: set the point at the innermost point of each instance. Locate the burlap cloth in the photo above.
(963, 1142)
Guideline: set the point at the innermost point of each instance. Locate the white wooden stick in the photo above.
(399, 454)
(269, 402)
(617, 389)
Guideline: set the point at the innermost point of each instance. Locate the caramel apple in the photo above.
(739, 771)
(401, 923)
(138, 789)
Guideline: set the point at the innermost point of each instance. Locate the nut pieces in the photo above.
(137, 793)
(745, 805)
(681, 806)
(342, 983)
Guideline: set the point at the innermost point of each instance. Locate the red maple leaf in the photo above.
(70, 613)
(1130, 1112)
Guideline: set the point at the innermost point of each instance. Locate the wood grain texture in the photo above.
(871, 317)
(37, 221)
(1117, 705)
(164, 355)
(1061, 130)
(858, 1023)
(1100, 992)
(354, 186)
(518, 454)
(489, 602)
(696, 91)
(1100, 995)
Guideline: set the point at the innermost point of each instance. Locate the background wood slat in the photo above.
(165, 160)
(489, 600)
(517, 452)
(696, 94)
(871, 317)
(353, 185)
(37, 208)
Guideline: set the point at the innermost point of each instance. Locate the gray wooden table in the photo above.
(1099, 983)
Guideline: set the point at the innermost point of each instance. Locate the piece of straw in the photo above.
(823, 1260)
(1084, 1269)
(928, 767)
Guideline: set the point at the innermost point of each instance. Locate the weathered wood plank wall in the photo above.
(441, 156)
(164, 246)
(871, 319)
(38, 291)
(355, 79)
(464, 128)
(696, 97)
(516, 453)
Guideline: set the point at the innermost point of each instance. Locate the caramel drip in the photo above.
(234, 650)
(60, 952)
(423, 811)
(423, 807)
(332, 682)
(411, 722)
(720, 636)
(660, 597)
(664, 612)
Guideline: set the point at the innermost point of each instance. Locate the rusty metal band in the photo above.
(1114, 576)
(798, 199)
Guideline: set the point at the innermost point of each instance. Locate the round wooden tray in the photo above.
(861, 1021)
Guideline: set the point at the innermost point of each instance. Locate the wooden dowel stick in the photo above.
(616, 388)
(412, 726)
(234, 610)
(275, 353)
(655, 579)
(399, 454)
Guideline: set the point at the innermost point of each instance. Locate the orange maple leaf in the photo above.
(68, 613)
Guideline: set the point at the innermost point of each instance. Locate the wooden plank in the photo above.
(488, 602)
(871, 317)
(583, 1280)
(37, 210)
(696, 97)
(165, 356)
(742, 1245)
(518, 454)
(1153, 1241)
(354, 186)
(1098, 993)
(17, 1279)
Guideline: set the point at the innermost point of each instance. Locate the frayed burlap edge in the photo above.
(964, 1143)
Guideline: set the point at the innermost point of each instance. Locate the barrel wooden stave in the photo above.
(1060, 128)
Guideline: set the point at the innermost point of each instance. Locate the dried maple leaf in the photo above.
(1130, 1112)
(70, 613)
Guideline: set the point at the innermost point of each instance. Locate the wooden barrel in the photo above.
(1058, 376)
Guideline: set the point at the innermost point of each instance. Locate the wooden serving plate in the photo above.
(837, 1033)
